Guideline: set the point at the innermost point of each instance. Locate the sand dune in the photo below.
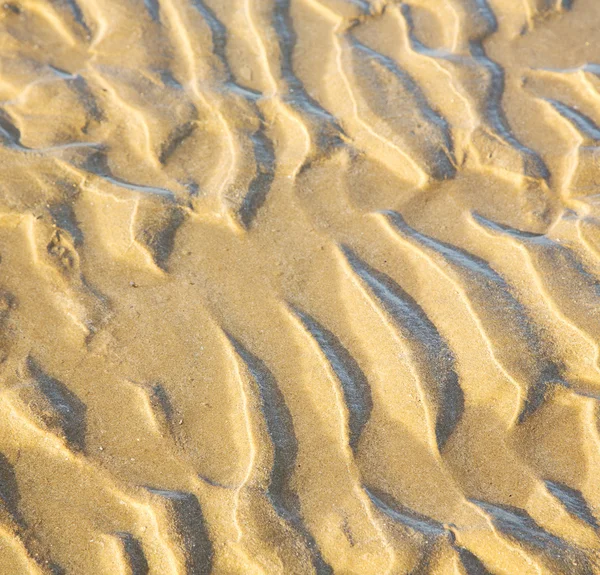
(299, 286)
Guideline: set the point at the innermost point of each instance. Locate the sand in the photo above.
(299, 286)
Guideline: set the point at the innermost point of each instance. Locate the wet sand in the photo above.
(299, 286)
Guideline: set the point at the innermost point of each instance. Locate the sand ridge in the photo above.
(299, 286)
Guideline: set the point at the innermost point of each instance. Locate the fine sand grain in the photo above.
(300, 286)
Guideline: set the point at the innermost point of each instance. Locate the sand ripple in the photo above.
(299, 286)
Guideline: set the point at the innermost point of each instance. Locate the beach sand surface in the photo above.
(299, 287)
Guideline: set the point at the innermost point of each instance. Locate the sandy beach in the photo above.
(299, 287)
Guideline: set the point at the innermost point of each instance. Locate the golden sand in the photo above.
(299, 286)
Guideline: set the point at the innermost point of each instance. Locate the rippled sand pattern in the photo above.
(299, 286)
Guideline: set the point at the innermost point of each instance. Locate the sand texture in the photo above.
(300, 287)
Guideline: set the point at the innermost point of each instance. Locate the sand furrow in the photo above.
(430, 359)
(501, 319)
(284, 445)
(479, 82)
(353, 382)
(517, 524)
(544, 254)
(362, 530)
